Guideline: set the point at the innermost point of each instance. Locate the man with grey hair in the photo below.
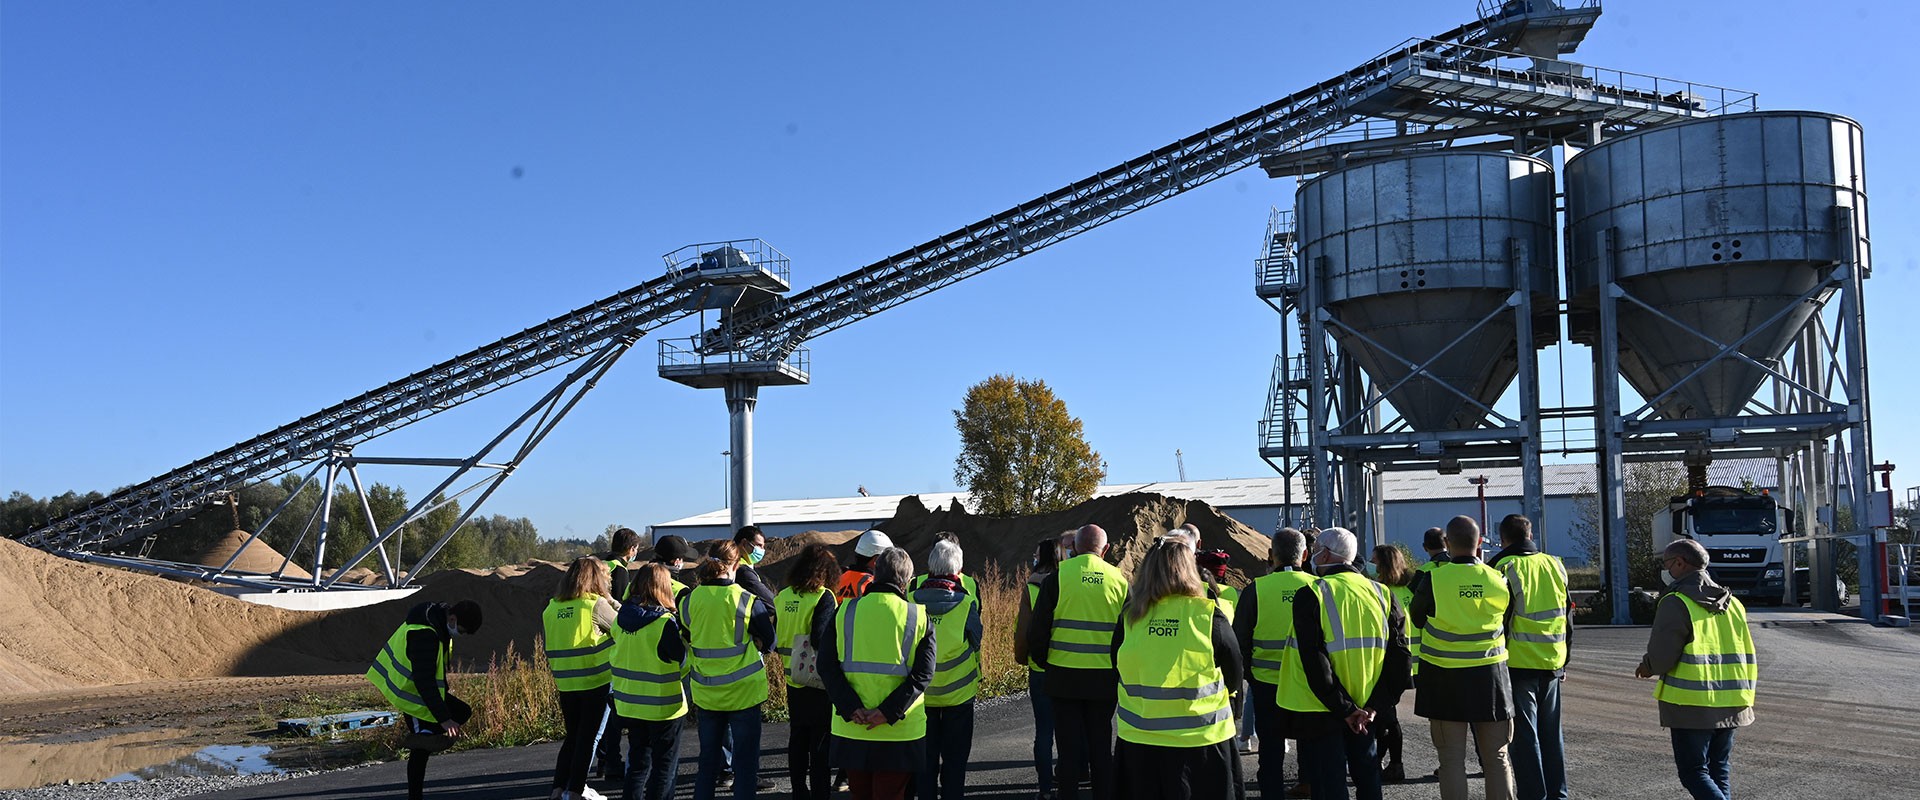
(1351, 640)
(1263, 622)
(955, 614)
(1463, 609)
(1703, 654)
(1070, 635)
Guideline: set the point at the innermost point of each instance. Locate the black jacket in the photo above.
(424, 649)
(1459, 694)
(750, 580)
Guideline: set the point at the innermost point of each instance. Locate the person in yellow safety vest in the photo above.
(804, 609)
(1263, 626)
(752, 544)
(1536, 660)
(877, 664)
(1464, 610)
(673, 553)
(1392, 569)
(411, 672)
(1351, 634)
(577, 623)
(649, 698)
(1434, 543)
(1071, 632)
(1178, 663)
(1702, 652)
(1213, 569)
(727, 631)
(622, 549)
(1045, 559)
(954, 612)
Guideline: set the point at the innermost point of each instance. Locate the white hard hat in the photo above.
(872, 543)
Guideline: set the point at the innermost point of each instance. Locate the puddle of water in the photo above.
(138, 756)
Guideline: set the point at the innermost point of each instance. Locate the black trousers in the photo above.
(581, 713)
(1269, 725)
(1152, 772)
(653, 757)
(1387, 732)
(1083, 730)
(417, 759)
(949, 745)
(607, 749)
(807, 736)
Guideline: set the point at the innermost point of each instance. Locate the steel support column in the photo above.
(1853, 328)
(1608, 436)
(1314, 316)
(742, 396)
(1533, 502)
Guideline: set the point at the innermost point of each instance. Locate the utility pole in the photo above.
(1480, 483)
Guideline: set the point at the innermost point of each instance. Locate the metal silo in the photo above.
(1418, 256)
(1724, 225)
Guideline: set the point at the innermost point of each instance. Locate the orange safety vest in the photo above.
(853, 583)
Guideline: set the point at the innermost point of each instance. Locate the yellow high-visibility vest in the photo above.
(398, 679)
(876, 638)
(1719, 668)
(576, 650)
(1353, 625)
(644, 686)
(1467, 627)
(793, 617)
(1172, 693)
(1539, 636)
(1092, 595)
(956, 677)
(728, 674)
(1273, 658)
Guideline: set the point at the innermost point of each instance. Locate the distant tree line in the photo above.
(484, 541)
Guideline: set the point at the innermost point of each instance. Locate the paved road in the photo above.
(1839, 717)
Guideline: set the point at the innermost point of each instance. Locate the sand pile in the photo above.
(1131, 521)
(259, 557)
(66, 625)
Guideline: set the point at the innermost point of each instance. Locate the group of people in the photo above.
(1140, 683)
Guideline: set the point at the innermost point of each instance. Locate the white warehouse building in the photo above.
(1415, 501)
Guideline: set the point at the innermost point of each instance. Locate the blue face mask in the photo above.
(755, 556)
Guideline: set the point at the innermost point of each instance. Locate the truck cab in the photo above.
(1741, 532)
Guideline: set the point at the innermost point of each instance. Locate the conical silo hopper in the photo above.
(1722, 224)
(1413, 252)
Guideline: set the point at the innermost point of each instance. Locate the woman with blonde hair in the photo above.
(1177, 656)
(649, 659)
(729, 676)
(577, 623)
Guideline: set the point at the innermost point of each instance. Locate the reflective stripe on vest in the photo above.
(1085, 614)
(792, 618)
(577, 652)
(1353, 625)
(876, 638)
(1171, 691)
(645, 687)
(722, 658)
(1539, 636)
(394, 676)
(955, 679)
(1404, 595)
(1273, 653)
(1466, 628)
(1719, 667)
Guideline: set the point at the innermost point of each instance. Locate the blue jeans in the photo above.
(1042, 728)
(653, 758)
(740, 729)
(1539, 750)
(1328, 760)
(1704, 758)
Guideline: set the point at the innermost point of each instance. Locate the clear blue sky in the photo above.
(216, 218)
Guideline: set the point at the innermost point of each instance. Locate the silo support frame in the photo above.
(1853, 329)
(1609, 436)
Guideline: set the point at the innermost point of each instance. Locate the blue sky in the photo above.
(216, 218)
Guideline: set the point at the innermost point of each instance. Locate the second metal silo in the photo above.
(1415, 259)
(1726, 226)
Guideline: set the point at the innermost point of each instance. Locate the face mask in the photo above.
(1033, 563)
(755, 556)
(453, 631)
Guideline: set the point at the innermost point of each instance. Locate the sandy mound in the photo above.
(259, 557)
(1131, 521)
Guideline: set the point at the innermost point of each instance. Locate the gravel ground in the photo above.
(160, 789)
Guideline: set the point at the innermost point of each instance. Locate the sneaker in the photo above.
(764, 785)
(840, 783)
(1394, 773)
(1245, 745)
(426, 742)
(588, 793)
(726, 780)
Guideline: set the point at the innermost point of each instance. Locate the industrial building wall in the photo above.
(1407, 520)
